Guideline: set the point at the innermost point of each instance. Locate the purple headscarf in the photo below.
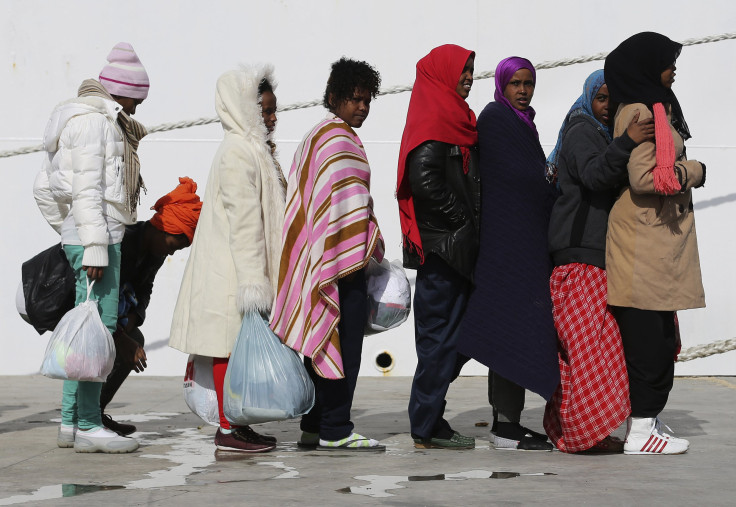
(504, 72)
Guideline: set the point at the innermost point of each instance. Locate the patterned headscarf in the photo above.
(582, 106)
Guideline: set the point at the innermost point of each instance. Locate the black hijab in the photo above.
(633, 70)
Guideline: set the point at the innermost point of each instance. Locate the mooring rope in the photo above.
(166, 127)
(707, 349)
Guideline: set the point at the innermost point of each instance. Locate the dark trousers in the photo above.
(649, 347)
(506, 398)
(330, 416)
(119, 373)
(440, 298)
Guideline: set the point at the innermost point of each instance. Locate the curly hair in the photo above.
(348, 75)
(264, 86)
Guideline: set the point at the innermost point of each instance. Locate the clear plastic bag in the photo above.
(199, 389)
(265, 379)
(389, 295)
(81, 347)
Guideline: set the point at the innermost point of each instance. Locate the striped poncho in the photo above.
(330, 231)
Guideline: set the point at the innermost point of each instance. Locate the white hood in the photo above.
(236, 100)
(75, 107)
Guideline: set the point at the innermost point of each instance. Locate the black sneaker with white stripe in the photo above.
(514, 437)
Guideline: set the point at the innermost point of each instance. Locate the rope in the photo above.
(166, 127)
(21, 151)
(707, 349)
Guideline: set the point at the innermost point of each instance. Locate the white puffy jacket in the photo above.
(79, 189)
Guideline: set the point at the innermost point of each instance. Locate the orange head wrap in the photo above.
(178, 211)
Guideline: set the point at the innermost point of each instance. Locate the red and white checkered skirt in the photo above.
(593, 397)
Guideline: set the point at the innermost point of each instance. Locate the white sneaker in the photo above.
(65, 437)
(644, 435)
(103, 440)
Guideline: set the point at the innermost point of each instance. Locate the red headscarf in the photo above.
(178, 211)
(436, 113)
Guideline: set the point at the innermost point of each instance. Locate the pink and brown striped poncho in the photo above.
(330, 231)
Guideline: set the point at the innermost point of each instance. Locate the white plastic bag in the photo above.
(389, 295)
(199, 389)
(81, 347)
(265, 379)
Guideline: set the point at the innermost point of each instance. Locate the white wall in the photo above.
(48, 48)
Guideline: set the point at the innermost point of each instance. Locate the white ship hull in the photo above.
(49, 48)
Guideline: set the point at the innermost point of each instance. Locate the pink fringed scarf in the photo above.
(665, 180)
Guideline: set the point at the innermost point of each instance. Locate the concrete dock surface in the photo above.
(177, 464)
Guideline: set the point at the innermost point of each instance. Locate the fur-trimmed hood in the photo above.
(237, 102)
(234, 259)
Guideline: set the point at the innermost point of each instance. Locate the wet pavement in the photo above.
(177, 463)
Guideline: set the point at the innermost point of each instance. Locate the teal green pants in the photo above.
(80, 401)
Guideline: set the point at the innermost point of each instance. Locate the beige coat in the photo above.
(234, 258)
(651, 249)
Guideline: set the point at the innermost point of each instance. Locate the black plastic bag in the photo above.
(48, 288)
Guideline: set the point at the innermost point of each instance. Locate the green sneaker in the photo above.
(463, 438)
(308, 440)
(456, 442)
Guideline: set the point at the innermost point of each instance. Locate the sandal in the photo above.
(353, 442)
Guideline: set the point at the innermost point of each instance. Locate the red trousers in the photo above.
(219, 368)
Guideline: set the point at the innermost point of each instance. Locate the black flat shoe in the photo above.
(120, 428)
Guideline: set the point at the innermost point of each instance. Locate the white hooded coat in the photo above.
(234, 258)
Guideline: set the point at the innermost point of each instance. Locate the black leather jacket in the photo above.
(446, 204)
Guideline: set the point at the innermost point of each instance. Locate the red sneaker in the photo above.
(239, 442)
(254, 436)
(609, 445)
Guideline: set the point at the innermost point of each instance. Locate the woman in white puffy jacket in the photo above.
(88, 191)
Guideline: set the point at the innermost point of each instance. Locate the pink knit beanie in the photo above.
(124, 75)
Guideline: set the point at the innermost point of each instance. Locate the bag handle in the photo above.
(89, 286)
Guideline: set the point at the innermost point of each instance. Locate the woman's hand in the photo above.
(139, 363)
(640, 131)
(128, 351)
(94, 272)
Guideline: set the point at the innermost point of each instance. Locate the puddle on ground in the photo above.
(288, 472)
(188, 449)
(80, 489)
(57, 491)
(281, 447)
(510, 475)
(191, 451)
(380, 484)
(222, 456)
